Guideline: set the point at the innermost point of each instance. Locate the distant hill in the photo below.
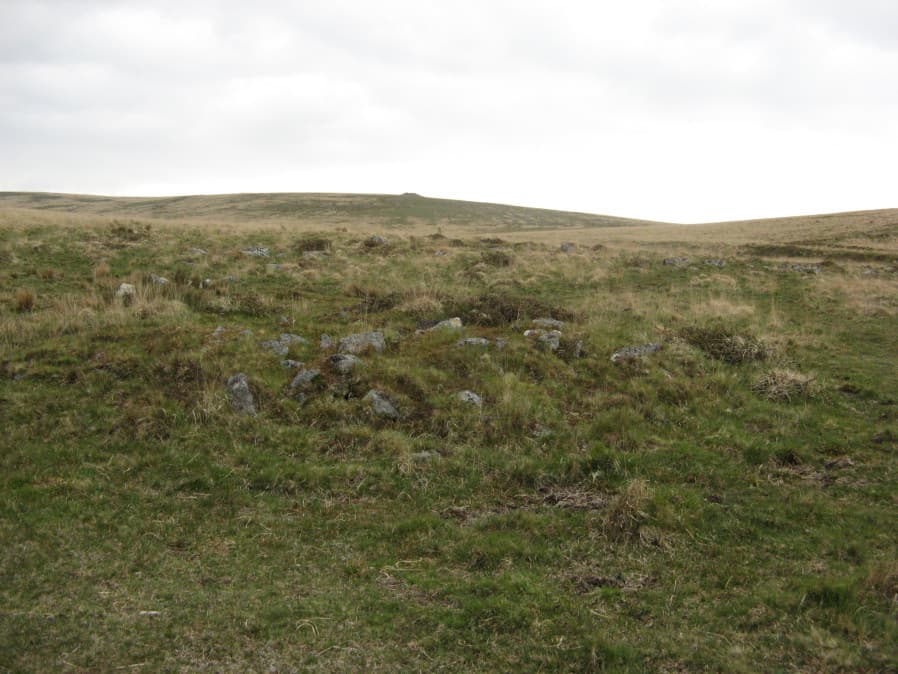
(380, 209)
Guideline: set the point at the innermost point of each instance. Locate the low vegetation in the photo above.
(719, 497)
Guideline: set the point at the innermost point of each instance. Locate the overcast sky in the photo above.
(678, 110)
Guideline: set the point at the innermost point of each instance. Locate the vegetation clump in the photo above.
(785, 385)
(722, 343)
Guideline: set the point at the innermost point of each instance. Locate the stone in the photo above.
(304, 383)
(256, 251)
(567, 247)
(425, 455)
(376, 241)
(473, 341)
(715, 262)
(240, 396)
(197, 252)
(500, 343)
(158, 280)
(206, 283)
(548, 323)
(125, 290)
(676, 261)
(290, 363)
(246, 333)
(218, 332)
(470, 398)
(325, 342)
(380, 405)
(448, 324)
(631, 352)
(805, 268)
(550, 338)
(281, 345)
(362, 342)
(344, 363)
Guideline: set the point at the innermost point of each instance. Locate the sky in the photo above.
(674, 110)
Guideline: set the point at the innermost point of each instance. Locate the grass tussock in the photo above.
(723, 343)
(24, 300)
(628, 510)
(785, 385)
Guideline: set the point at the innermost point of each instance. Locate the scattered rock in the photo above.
(448, 324)
(676, 261)
(548, 323)
(500, 343)
(240, 396)
(280, 346)
(292, 364)
(345, 363)
(805, 268)
(567, 247)
(715, 262)
(158, 280)
(325, 342)
(550, 338)
(426, 455)
(256, 251)
(631, 352)
(375, 241)
(473, 341)
(470, 398)
(380, 405)
(304, 382)
(125, 290)
(362, 342)
(578, 349)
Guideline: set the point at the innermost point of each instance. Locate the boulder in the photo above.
(631, 352)
(158, 280)
(344, 363)
(362, 342)
(304, 383)
(380, 405)
(470, 398)
(551, 339)
(125, 291)
(256, 251)
(473, 341)
(240, 396)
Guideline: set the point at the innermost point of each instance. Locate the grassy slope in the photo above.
(656, 516)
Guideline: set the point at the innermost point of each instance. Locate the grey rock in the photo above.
(550, 338)
(805, 268)
(448, 324)
(578, 349)
(288, 338)
(500, 343)
(380, 405)
(567, 247)
(548, 323)
(276, 347)
(158, 280)
(470, 398)
(676, 261)
(426, 455)
(197, 252)
(631, 352)
(218, 332)
(473, 341)
(362, 342)
(240, 396)
(206, 283)
(290, 363)
(325, 342)
(345, 363)
(376, 241)
(125, 290)
(256, 251)
(715, 262)
(305, 379)
(440, 253)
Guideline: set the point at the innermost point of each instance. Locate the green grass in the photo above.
(654, 515)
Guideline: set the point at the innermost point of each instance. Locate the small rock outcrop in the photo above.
(380, 405)
(470, 398)
(376, 241)
(240, 396)
(256, 251)
(631, 352)
(473, 341)
(362, 342)
(125, 291)
(551, 339)
(304, 383)
(345, 363)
